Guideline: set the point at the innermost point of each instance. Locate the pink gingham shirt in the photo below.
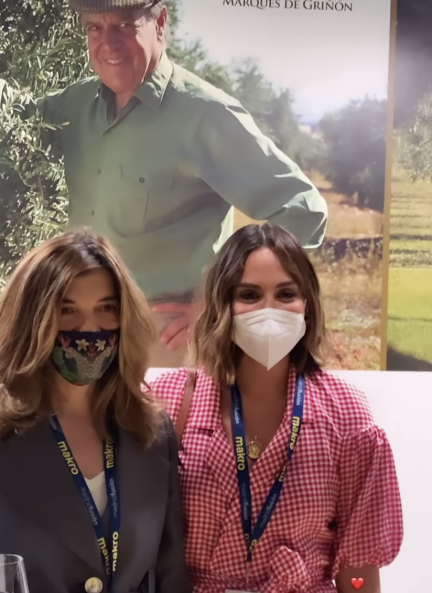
(339, 506)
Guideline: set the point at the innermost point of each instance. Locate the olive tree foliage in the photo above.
(413, 89)
(413, 143)
(355, 137)
(42, 49)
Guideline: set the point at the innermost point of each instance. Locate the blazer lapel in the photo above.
(144, 487)
(37, 480)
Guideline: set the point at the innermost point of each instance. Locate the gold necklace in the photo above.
(254, 449)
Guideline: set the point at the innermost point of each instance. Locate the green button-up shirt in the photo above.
(159, 178)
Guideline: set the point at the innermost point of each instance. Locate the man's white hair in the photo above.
(154, 12)
(149, 13)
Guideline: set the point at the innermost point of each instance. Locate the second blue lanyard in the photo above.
(253, 535)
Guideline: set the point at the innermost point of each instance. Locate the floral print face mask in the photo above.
(83, 357)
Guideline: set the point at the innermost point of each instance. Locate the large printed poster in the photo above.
(313, 82)
(317, 85)
(410, 275)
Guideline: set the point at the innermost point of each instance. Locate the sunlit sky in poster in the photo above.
(325, 57)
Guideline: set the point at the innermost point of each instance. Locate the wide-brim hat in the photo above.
(110, 5)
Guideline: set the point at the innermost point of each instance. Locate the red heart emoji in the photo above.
(357, 584)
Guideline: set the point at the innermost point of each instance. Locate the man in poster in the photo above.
(155, 159)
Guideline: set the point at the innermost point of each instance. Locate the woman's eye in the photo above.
(110, 308)
(248, 295)
(66, 311)
(287, 294)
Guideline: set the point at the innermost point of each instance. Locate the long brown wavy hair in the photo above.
(212, 346)
(29, 308)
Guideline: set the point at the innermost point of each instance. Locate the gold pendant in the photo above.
(254, 450)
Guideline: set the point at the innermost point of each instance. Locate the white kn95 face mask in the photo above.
(268, 335)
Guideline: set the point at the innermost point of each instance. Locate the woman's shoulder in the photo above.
(169, 382)
(339, 400)
(330, 383)
(169, 388)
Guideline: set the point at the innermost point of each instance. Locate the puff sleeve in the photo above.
(369, 514)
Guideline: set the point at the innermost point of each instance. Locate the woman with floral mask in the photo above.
(288, 485)
(89, 491)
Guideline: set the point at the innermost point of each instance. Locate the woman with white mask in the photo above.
(288, 485)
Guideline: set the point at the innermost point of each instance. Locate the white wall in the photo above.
(402, 403)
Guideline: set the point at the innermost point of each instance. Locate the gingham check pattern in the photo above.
(339, 506)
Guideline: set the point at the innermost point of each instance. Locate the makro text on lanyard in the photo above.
(109, 556)
(252, 536)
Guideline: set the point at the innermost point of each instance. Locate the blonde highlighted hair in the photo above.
(212, 346)
(29, 307)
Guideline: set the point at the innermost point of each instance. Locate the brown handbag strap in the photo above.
(185, 405)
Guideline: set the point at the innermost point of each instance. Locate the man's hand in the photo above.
(177, 332)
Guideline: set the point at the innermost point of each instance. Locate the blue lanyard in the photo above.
(109, 555)
(252, 536)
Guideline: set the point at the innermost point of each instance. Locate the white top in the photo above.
(98, 491)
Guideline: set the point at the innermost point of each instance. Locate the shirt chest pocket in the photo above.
(129, 212)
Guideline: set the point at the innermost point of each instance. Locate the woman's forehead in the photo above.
(264, 263)
(97, 284)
